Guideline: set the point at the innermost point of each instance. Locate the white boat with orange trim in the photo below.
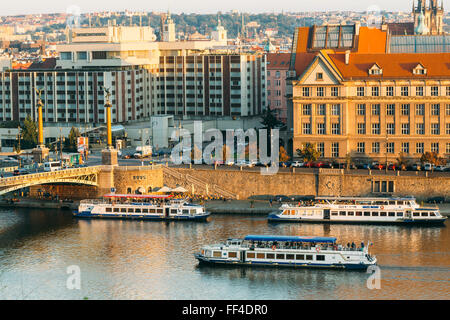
(388, 210)
(141, 207)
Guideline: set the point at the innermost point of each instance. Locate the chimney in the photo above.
(347, 57)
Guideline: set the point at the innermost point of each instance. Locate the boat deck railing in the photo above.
(317, 247)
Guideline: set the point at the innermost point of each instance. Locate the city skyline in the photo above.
(177, 6)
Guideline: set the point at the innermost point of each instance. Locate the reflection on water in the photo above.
(154, 260)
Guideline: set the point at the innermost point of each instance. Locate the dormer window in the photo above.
(420, 70)
(319, 76)
(375, 70)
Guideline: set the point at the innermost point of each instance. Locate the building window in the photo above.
(420, 149)
(405, 109)
(375, 109)
(390, 128)
(306, 109)
(335, 128)
(321, 128)
(390, 109)
(375, 91)
(434, 91)
(435, 109)
(361, 109)
(447, 148)
(375, 147)
(306, 92)
(321, 109)
(390, 91)
(335, 109)
(306, 128)
(420, 109)
(405, 128)
(405, 147)
(319, 76)
(361, 147)
(278, 93)
(448, 91)
(447, 128)
(335, 91)
(420, 128)
(435, 128)
(65, 55)
(335, 149)
(361, 128)
(320, 91)
(447, 109)
(277, 83)
(405, 91)
(321, 148)
(419, 91)
(360, 92)
(375, 128)
(277, 74)
(383, 187)
(435, 147)
(390, 147)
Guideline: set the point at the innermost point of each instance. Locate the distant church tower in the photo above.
(432, 16)
(168, 29)
(219, 34)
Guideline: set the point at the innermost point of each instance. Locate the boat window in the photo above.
(232, 254)
(334, 213)
(359, 214)
(374, 214)
(138, 210)
(400, 203)
(432, 214)
(144, 210)
(399, 214)
(193, 211)
(108, 209)
(152, 210)
(217, 254)
(131, 210)
(123, 209)
(366, 214)
(159, 210)
(383, 214)
(289, 257)
(286, 212)
(185, 211)
(392, 203)
(415, 214)
(342, 213)
(320, 257)
(280, 256)
(309, 257)
(173, 210)
(260, 255)
(270, 256)
(299, 257)
(116, 209)
(250, 254)
(424, 214)
(391, 214)
(351, 213)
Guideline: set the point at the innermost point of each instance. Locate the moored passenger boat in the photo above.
(388, 210)
(287, 251)
(140, 207)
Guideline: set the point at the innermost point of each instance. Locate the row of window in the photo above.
(404, 109)
(283, 256)
(404, 147)
(405, 128)
(375, 91)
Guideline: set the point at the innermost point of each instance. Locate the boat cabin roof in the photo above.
(137, 196)
(367, 199)
(290, 238)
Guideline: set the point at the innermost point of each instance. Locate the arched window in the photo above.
(150, 189)
(128, 190)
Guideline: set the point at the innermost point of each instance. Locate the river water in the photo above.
(154, 260)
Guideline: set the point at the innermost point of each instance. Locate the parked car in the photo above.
(285, 164)
(297, 164)
(416, 167)
(19, 172)
(392, 167)
(440, 168)
(428, 167)
(377, 166)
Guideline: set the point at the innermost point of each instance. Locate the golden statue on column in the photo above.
(109, 155)
(40, 153)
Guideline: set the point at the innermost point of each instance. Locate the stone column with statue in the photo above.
(40, 153)
(109, 155)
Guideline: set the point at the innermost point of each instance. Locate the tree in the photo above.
(71, 143)
(402, 162)
(309, 152)
(269, 121)
(29, 135)
(284, 157)
(433, 158)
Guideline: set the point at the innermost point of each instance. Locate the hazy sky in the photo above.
(200, 6)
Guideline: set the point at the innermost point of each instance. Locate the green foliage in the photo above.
(9, 124)
(433, 158)
(29, 134)
(70, 144)
(309, 152)
(269, 121)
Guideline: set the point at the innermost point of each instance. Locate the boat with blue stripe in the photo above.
(288, 251)
(141, 207)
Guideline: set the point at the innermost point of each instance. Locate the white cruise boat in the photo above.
(140, 207)
(388, 210)
(287, 251)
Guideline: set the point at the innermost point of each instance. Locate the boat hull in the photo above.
(220, 262)
(422, 222)
(88, 215)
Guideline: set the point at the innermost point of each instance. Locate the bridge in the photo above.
(81, 176)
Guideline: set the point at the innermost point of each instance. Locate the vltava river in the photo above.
(154, 260)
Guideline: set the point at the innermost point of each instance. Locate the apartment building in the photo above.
(277, 73)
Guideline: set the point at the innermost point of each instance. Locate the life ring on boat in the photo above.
(318, 249)
(382, 207)
(274, 247)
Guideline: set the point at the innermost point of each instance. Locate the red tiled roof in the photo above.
(49, 63)
(393, 65)
(278, 61)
